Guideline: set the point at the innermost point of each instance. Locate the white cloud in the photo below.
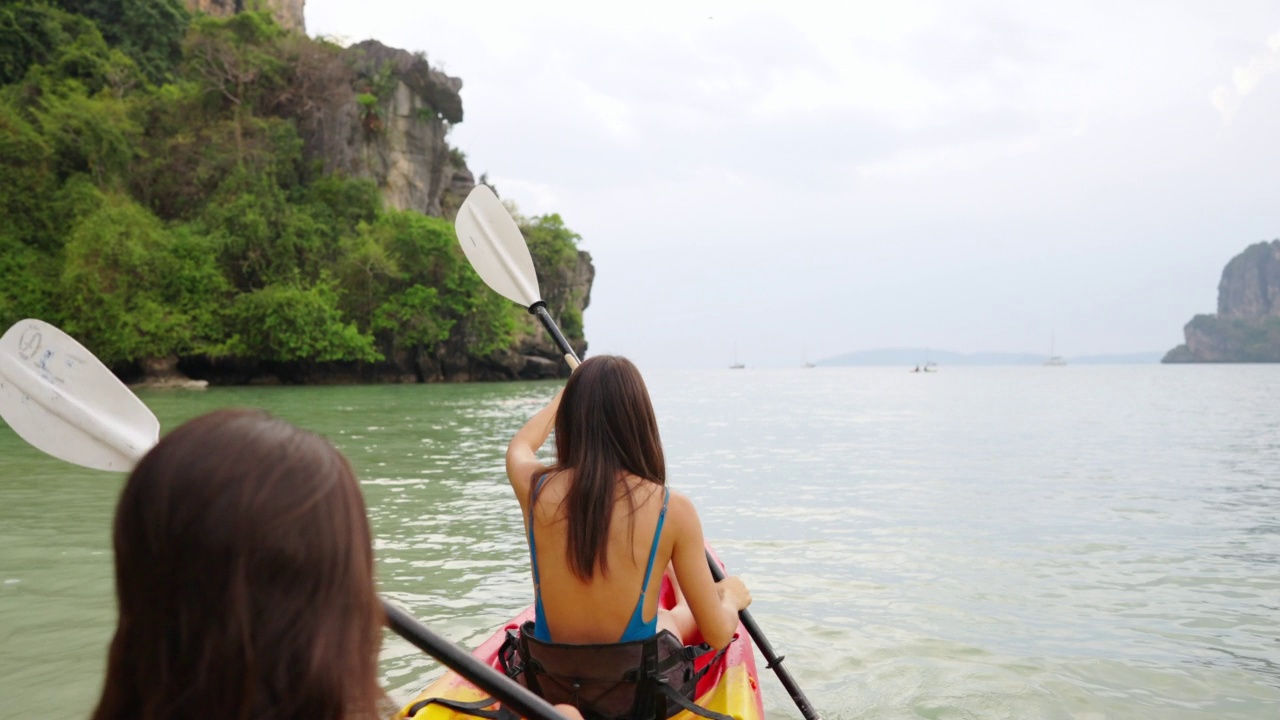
(529, 197)
(1245, 79)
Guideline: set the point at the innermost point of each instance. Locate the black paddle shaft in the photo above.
(774, 661)
(512, 694)
(540, 309)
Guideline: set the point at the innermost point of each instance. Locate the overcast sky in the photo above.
(808, 179)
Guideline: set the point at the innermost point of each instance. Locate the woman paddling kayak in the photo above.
(602, 526)
(609, 632)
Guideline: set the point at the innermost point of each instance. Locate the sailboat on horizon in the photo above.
(736, 365)
(1054, 360)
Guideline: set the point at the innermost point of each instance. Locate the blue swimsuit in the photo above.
(637, 628)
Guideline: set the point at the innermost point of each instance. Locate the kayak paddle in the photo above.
(61, 399)
(497, 250)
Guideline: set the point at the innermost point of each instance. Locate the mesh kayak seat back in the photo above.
(649, 679)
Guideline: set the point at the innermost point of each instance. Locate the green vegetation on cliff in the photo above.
(156, 201)
(1227, 339)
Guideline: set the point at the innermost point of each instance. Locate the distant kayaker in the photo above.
(602, 526)
(244, 580)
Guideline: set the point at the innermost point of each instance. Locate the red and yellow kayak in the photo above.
(731, 687)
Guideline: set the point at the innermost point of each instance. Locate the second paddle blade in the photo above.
(60, 398)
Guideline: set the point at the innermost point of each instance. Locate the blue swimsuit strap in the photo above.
(653, 549)
(540, 629)
(637, 628)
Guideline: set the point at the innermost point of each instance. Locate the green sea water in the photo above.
(1024, 542)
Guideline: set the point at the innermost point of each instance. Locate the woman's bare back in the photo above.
(598, 610)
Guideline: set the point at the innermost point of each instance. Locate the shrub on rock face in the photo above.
(288, 323)
(130, 289)
(1213, 338)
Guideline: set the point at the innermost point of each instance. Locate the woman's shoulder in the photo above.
(650, 496)
(535, 479)
(680, 508)
(682, 521)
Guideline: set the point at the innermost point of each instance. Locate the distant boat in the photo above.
(931, 366)
(1054, 360)
(736, 365)
(804, 360)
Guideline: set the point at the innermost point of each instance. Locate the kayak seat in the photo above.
(650, 679)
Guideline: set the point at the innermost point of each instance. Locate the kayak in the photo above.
(731, 686)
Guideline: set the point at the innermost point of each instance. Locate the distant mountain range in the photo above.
(920, 356)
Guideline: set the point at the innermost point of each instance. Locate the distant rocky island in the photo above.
(1246, 328)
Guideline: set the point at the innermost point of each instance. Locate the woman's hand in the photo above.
(734, 593)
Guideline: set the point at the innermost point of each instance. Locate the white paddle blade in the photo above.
(60, 398)
(495, 247)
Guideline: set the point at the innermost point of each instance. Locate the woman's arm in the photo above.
(714, 605)
(522, 452)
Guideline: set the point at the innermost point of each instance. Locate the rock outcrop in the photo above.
(1250, 285)
(289, 14)
(163, 373)
(407, 110)
(1247, 326)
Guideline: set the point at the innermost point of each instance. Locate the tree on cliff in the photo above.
(554, 248)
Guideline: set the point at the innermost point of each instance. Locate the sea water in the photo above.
(1018, 542)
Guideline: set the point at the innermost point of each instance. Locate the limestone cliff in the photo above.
(375, 112)
(1247, 326)
(288, 13)
(1250, 286)
(382, 113)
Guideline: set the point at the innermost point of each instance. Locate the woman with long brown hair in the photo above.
(244, 576)
(602, 525)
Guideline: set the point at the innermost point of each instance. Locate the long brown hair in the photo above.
(244, 576)
(605, 429)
